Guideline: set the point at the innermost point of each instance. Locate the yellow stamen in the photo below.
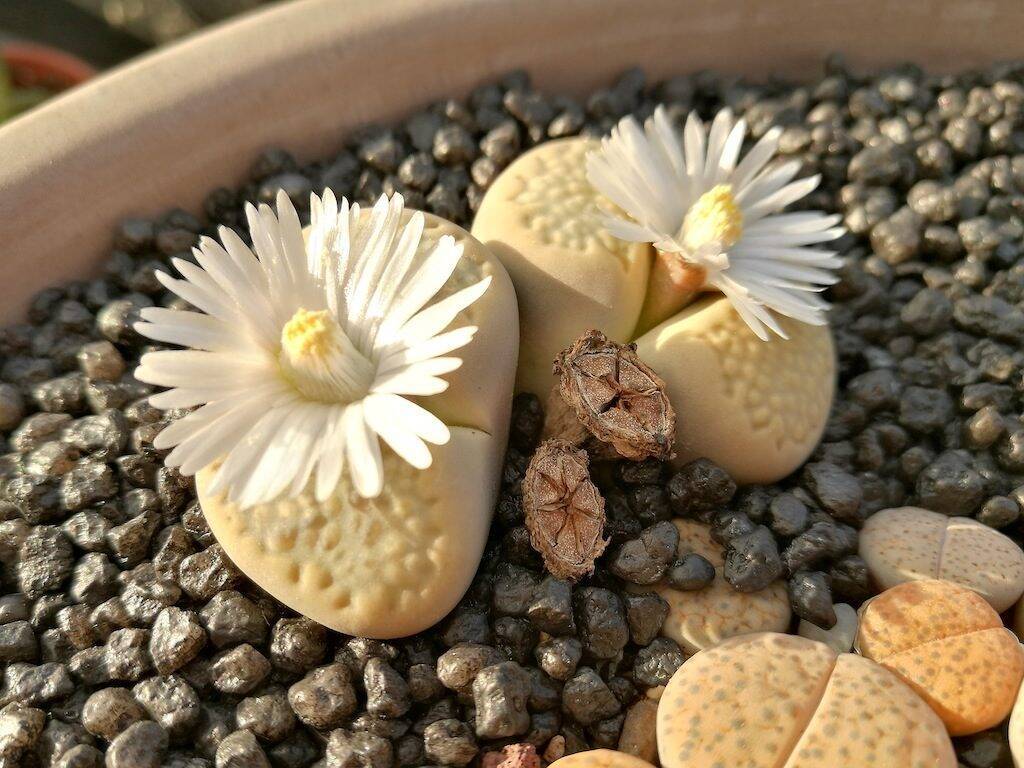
(320, 361)
(714, 219)
(308, 334)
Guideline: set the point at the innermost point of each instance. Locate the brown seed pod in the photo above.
(564, 510)
(615, 396)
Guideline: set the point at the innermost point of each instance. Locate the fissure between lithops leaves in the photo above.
(712, 225)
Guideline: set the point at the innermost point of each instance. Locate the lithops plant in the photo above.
(1016, 729)
(703, 618)
(350, 350)
(770, 700)
(600, 758)
(948, 644)
(908, 543)
(625, 236)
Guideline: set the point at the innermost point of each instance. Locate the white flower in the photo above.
(303, 354)
(693, 199)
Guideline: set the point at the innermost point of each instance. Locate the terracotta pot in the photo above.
(33, 65)
(172, 125)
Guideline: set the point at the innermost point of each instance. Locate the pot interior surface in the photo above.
(167, 128)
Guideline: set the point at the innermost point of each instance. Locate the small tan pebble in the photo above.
(555, 748)
(755, 408)
(950, 646)
(395, 565)
(701, 619)
(639, 731)
(600, 758)
(840, 638)
(769, 700)
(541, 217)
(908, 543)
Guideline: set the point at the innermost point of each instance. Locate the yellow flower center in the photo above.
(714, 221)
(320, 361)
(308, 334)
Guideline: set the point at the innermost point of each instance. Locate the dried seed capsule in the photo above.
(564, 509)
(615, 396)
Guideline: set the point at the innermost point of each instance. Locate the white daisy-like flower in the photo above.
(303, 355)
(719, 214)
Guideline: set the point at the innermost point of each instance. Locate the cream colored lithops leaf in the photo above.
(908, 543)
(479, 391)
(840, 638)
(355, 382)
(600, 758)
(950, 646)
(1016, 728)
(383, 567)
(756, 408)
(703, 618)
(542, 219)
(778, 701)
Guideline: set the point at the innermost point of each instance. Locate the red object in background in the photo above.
(33, 65)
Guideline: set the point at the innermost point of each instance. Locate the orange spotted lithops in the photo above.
(948, 644)
(702, 618)
(755, 407)
(779, 701)
(909, 543)
(600, 758)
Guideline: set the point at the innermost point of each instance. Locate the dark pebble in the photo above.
(700, 486)
(656, 663)
(601, 620)
(752, 561)
(811, 598)
(690, 573)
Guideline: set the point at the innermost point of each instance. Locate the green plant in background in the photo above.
(15, 100)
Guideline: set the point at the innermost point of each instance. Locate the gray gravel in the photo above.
(127, 638)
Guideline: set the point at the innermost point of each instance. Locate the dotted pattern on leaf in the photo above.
(783, 387)
(398, 537)
(909, 543)
(950, 646)
(777, 700)
(555, 201)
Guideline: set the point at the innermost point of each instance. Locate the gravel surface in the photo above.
(127, 636)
